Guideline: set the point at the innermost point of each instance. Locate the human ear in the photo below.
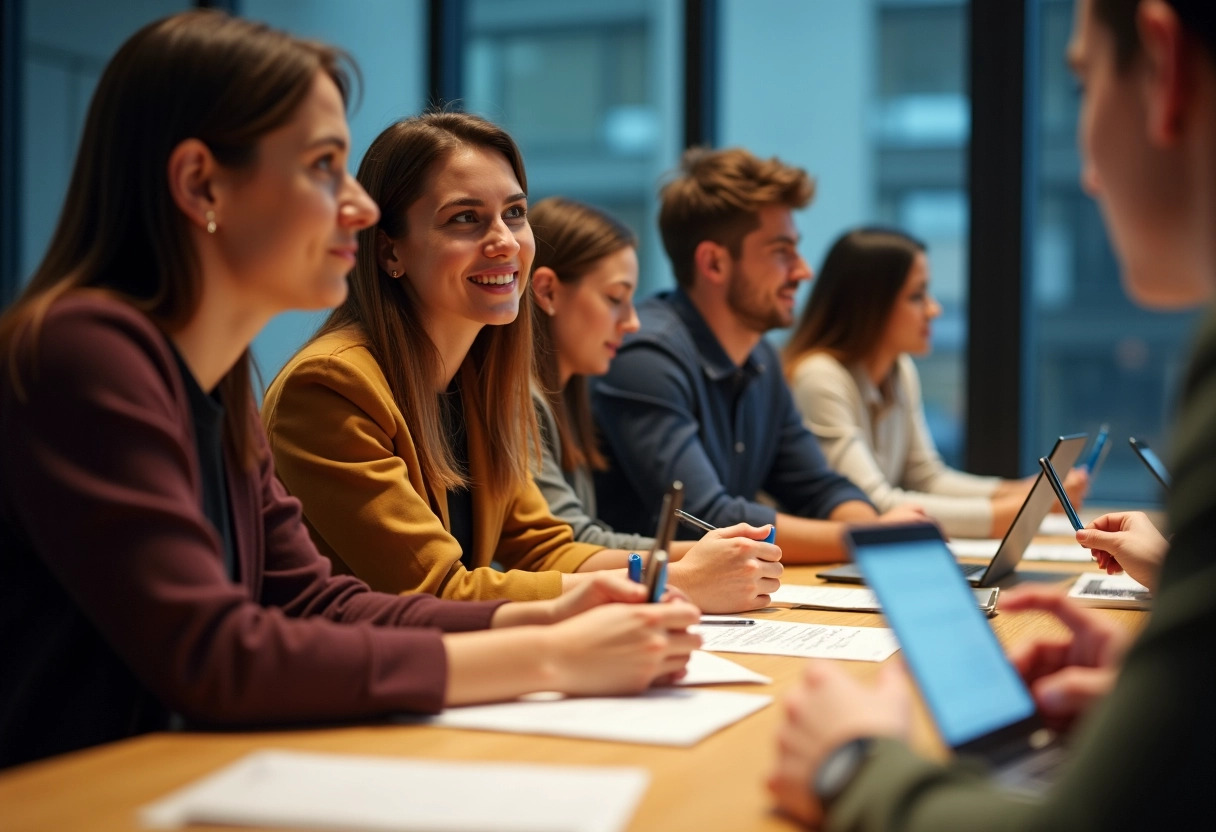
(712, 261)
(191, 172)
(544, 288)
(1169, 67)
(386, 254)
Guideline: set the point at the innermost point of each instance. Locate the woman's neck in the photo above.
(221, 329)
(453, 342)
(878, 366)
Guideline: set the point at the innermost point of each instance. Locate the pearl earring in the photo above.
(393, 272)
(211, 226)
(551, 311)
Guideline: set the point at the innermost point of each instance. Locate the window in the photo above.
(387, 39)
(870, 98)
(591, 94)
(65, 45)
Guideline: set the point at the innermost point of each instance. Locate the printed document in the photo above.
(1116, 591)
(812, 641)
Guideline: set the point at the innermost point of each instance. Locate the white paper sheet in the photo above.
(344, 792)
(662, 716)
(708, 669)
(979, 548)
(833, 598)
(965, 547)
(848, 600)
(784, 638)
(1072, 552)
(1056, 525)
(1116, 591)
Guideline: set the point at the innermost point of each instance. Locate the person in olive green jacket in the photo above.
(1143, 753)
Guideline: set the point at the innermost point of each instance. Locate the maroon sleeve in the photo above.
(110, 501)
(299, 580)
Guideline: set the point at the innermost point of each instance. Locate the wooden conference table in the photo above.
(717, 784)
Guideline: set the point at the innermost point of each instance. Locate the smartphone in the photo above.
(1153, 462)
(1094, 459)
(1049, 471)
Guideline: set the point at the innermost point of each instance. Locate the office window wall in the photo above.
(387, 39)
(591, 93)
(1091, 355)
(65, 45)
(869, 96)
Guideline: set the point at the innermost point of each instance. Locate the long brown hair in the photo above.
(200, 74)
(853, 296)
(494, 376)
(571, 238)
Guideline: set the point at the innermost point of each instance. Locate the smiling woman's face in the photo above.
(468, 246)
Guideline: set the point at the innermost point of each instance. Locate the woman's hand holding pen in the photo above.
(622, 648)
(1126, 541)
(730, 569)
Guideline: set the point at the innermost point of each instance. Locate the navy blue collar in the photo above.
(714, 360)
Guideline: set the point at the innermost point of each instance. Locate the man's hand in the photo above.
(826, 709)
(1066, 674)
(730, 570)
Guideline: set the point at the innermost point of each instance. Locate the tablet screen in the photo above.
(966, 680)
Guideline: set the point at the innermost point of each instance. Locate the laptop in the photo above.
(1021, 532)
(979, 703)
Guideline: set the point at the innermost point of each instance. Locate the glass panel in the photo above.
(387, 39)
(1092, 355)
(879, 114)
(65, 46)
(591, 93)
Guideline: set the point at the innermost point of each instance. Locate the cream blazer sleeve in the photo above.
(834, 410)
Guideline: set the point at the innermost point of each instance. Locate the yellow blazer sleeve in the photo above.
(528, 535)
(341, 446)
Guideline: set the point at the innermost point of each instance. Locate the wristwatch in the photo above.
(839, 768)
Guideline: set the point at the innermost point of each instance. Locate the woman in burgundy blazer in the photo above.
(150, 562)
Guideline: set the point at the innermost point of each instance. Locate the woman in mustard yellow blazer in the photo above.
(405, 425)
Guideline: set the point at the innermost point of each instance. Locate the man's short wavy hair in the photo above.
(717, 195)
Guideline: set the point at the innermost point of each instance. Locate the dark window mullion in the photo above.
(996, 169)
(701, 51)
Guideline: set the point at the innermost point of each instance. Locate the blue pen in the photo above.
(635, 567)
(698, 523)
(656, 576)
(1095, 453)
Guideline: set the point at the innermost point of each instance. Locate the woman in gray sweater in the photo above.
(583, 280)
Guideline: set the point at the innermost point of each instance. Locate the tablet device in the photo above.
(1151, 461)
(1021, 532)
(978, 701)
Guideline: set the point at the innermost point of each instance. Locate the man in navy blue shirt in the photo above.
(698, 395)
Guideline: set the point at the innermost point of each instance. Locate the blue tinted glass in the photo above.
(968, 684)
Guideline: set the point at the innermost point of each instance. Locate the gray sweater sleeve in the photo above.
(564, 501)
